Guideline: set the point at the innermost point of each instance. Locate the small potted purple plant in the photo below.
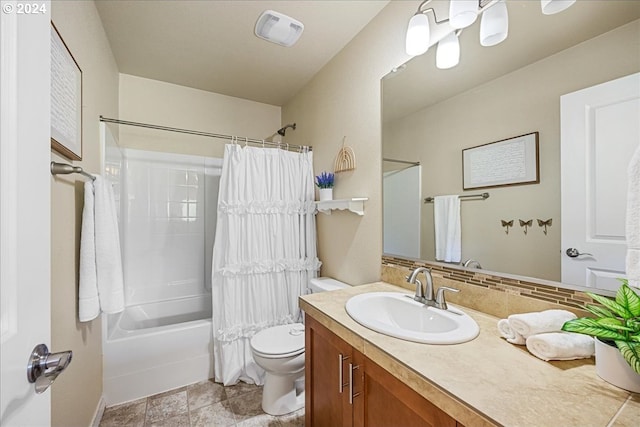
(325, 181)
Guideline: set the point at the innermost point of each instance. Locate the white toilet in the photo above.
(279, 350)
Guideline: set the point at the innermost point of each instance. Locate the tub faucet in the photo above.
(426, 296)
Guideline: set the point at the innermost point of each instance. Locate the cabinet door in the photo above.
(385, 401)
(327, 361)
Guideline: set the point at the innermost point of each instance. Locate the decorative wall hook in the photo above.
(526, 225)
(545, 224)
(506, 225)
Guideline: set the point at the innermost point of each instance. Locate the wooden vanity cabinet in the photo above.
(326, 400)
(377, 399)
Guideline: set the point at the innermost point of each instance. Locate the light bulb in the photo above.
(448, 52)
(417, 41)
(462, 13)
(494, 25)
(549, 7)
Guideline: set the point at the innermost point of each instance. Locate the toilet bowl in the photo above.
(279, 350)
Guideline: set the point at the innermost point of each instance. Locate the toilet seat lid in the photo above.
(279, 340)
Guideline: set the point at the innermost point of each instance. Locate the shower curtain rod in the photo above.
(239, 140)
(401, 161)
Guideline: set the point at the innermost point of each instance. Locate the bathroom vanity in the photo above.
(358, 377)
(346, 388)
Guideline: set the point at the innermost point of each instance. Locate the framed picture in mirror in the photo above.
(512, 161)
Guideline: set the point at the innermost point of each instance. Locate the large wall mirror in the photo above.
(431, 115)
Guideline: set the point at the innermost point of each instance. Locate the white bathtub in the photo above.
(151, 348)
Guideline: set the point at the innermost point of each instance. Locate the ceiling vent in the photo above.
(278, 28)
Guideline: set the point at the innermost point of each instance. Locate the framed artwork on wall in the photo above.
(66, 99)
(512, 161)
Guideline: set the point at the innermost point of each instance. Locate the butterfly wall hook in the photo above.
(506, 225)
(545, 224)
(526, 225)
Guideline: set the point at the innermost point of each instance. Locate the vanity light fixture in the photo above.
(494, 26)
(278, 28)
(448, 51)
(418, 33)
(417, 41)
(462, 13)
(549, 7)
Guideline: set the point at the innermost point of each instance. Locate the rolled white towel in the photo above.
(527, 324)
(509, 334)
(632, 226)
(561, 346)
(633, 267)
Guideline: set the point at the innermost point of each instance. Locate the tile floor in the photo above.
(204, 404)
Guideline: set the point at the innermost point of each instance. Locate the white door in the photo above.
(24, 208)
(600, 131)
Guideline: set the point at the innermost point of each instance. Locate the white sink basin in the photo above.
(399, 316)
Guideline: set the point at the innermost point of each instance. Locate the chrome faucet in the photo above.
(471, 263)
(425, 295)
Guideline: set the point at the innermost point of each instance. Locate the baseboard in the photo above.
(99, 412)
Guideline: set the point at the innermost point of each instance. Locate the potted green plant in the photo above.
(616, 327)
(325, 181)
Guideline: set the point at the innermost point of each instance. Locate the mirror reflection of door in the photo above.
(401, 213)
(600, 131)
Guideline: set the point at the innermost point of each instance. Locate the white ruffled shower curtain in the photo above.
(264, 252)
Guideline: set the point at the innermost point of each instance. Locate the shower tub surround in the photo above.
(486, 381)
(167, 208)
(141, 361)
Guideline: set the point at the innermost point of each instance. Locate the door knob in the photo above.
(574, 253)
(44, 367)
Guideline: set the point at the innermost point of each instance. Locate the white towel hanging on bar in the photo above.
(446, 211)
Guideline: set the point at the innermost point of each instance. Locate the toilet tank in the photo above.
(322, 284)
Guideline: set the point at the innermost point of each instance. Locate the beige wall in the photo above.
(343, 99)
(155, 102)
(76, 394)
(521, 102)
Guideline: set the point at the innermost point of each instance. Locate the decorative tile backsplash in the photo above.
(394, 269)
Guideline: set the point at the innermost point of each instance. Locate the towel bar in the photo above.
(483, 196)
(65, 169)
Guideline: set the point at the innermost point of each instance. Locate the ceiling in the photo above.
(210, 45)
(532, 37)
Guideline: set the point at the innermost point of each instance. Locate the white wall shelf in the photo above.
(355, 205)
